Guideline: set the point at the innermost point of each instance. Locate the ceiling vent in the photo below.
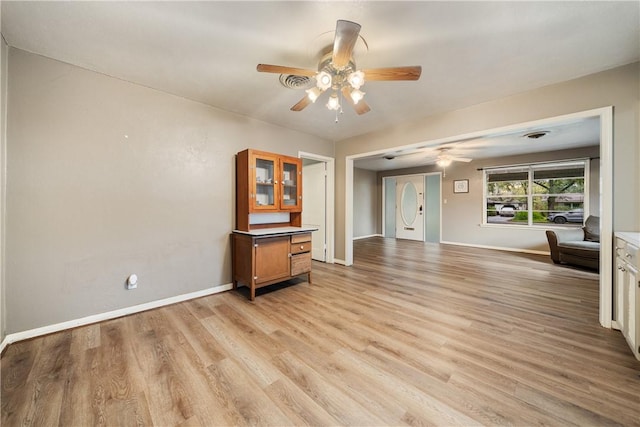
(295, 82)
(536, 135)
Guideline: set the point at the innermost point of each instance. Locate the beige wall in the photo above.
(4, 50)
(366, 203)
(619, 87)
(462, 213)
(107, 178)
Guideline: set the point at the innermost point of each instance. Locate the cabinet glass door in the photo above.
(290, 185)
(265, 182)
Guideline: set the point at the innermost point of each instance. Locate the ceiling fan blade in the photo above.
(461, 159)
(393, 73)
(361, 107)
(344, 42)
(302, 104)
(279, 69)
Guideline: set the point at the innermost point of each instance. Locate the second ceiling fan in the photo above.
(337, 71)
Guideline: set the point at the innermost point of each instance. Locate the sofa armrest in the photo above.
(556, 237)
(569, 235)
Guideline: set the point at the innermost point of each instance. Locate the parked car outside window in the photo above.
(575, 215)
(508, 210)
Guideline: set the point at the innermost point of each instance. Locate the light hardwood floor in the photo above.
(413, 333)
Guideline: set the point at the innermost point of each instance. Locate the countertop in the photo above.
(264, 232)
(632, 237)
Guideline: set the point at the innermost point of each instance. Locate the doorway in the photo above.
(604, 115)
(409, 207)
(392, 186)
(318, 206)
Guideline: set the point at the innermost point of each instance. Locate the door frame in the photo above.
(330, 201)
(605, 114)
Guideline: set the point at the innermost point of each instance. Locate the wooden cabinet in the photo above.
(270, 256)
(267, 184)
(627, 291)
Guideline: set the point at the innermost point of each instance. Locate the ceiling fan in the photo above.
(444, 159)
(337, 72)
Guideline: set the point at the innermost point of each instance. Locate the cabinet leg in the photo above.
(253, 293)
(235, 284)
(310, 278)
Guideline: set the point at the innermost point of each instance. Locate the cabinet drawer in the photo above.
(629, 253)
(300, 264)
(302, 237)
(297, 248)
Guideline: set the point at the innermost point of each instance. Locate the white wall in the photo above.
(107, 178)
(366, 203)
(619, 87)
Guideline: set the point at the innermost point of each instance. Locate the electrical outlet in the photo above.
(132, 282)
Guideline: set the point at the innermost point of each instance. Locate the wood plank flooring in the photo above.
(412, 334)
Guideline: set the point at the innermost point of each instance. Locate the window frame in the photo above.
(530, 192)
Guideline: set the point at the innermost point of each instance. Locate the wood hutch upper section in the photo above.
(267, 183)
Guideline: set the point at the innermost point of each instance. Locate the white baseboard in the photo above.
(32, 333)
(497, 248)
(366, 237)
(339, 261)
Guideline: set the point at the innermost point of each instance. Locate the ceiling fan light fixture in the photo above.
(323, 80)
(443, 162)
(337, 71)
(356, 79)
(334, 102)
(313, 93)
(357, 95)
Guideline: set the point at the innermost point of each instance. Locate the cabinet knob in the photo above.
(301, 247)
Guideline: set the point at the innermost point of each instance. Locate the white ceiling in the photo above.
(470, 52)
(571, 134)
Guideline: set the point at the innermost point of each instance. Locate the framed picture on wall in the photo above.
(461, 186)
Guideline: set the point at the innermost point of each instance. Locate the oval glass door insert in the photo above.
(409, 203)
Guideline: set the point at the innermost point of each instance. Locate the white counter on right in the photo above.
(626, 306)
(632, 237)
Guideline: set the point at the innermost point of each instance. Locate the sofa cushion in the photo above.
(592, 229)
(580, 248)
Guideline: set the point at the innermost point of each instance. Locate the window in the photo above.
(536, 194)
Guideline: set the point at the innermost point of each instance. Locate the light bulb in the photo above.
(313, 93)
(356, 95)
(356, 79)
(333, 103)
(443, 162)
(323, 80)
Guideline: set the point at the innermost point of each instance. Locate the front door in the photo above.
(410, 207)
